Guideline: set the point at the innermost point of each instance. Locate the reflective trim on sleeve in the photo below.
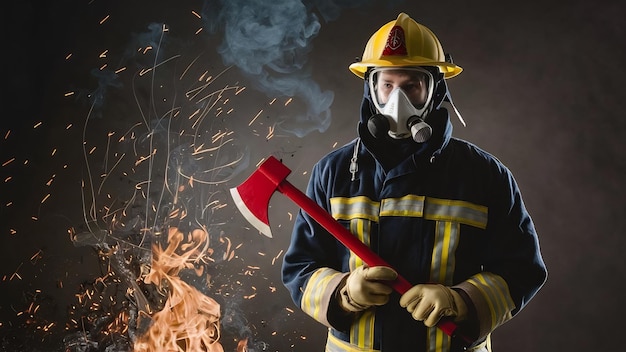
(315, 292)
(497, 296)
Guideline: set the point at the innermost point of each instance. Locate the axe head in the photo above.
(252, 197)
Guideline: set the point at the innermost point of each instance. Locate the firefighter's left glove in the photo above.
(366, 287)
(430, 302)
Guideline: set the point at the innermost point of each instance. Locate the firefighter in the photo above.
(445, 214)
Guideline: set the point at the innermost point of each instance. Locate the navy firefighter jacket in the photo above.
(441, 212)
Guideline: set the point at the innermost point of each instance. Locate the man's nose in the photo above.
(402, 88)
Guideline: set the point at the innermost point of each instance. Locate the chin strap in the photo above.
(456, 111)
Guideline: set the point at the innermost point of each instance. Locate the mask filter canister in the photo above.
(420, 130)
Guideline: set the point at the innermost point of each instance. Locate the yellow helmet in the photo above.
(404, 42)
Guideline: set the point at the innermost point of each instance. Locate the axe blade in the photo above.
(252, 197)
(259, 220)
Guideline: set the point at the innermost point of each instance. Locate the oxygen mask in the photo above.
(402, 97)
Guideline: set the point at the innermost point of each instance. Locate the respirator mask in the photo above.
(403, 99)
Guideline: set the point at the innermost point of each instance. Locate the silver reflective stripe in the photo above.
(352, 208)
(315, 291)
(362, 330)
(438, 341)
(456, 211)
(361, 212)
(443, 258)
(497, 296)
(412, 206)
(442, 271)
(334, 344)
(361, 229)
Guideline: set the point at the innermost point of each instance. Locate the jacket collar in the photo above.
(390, 153)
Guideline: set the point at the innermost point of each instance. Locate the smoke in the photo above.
(151, 38)
(141, 52)
(269, 41)
(106, 78)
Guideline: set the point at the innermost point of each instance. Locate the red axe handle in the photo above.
(401, 285)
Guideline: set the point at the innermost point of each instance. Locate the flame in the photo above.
(242, 345)
(189, 320)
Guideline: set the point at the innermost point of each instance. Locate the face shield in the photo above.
(402, 97)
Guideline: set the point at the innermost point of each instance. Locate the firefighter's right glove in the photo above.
(366, 287)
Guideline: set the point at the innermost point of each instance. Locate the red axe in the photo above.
(252, 199)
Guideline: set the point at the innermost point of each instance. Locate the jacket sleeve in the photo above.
(311, 270)
(513, 268)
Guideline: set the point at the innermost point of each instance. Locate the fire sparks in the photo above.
(8, 162)
(132, 177)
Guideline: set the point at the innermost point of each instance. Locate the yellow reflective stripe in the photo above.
(496, 293)
(314, 291)
(362, 330)
(437, 340)
(457, 211)
(343, 208)
(360, 211)
(436, 209)
(443, 259)
(410, 205)
(334, 344)
(441, 271)
(361, 229)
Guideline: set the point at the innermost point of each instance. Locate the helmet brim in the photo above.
(359, 68)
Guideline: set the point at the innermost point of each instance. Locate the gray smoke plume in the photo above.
(269, 41)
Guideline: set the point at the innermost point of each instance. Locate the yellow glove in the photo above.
(431, 302)
(364, 288)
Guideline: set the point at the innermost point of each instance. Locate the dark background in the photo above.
(541, 90)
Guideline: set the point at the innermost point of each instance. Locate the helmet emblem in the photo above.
(395, 45)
